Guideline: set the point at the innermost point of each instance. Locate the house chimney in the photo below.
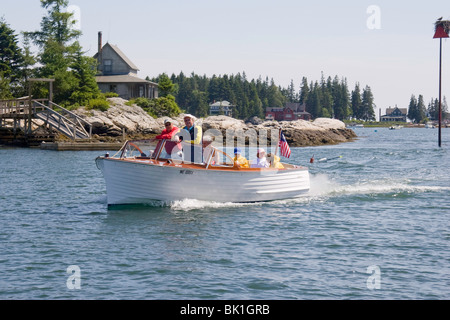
(99, 53)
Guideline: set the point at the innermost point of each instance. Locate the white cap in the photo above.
(189, 116)
(168, 120)
(261, 150)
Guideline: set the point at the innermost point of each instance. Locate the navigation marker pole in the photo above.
(442, 28)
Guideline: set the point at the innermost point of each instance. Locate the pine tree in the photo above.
(304, 91)
(368, 113)
(356, 103)
(59, 52)
(421, 110)
(433, 109)
(11, 60)
(165, 86)
(84, 70)
(413, 110)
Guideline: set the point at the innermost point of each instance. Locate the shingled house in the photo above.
(116, 73)
(395, 114)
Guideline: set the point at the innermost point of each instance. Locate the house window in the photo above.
(107, 66)
(113, 88)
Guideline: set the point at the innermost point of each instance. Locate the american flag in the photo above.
(285, 151)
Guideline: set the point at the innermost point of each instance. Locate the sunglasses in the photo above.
(167, 124)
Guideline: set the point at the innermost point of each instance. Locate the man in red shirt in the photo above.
(173, 146)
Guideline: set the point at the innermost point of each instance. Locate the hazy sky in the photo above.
(387, 45)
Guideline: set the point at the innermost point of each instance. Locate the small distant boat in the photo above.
(396, 127)
(429, 125)
(355, 126)
(132, 177)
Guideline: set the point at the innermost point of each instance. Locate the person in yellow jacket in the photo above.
(240, 160)
(274, 161)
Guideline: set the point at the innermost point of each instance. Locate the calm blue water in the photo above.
(376, 225)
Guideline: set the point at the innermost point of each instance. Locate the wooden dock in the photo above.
(81, 146)
(18, 117)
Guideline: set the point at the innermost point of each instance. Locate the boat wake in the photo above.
(323, 187)
(193, 204)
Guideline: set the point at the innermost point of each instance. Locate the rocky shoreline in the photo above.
(132, 122)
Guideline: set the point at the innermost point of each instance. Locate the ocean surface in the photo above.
(376, 225)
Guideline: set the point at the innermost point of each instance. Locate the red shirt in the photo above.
(169, 135)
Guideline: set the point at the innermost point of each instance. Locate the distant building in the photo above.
(116, 73)
(290, 112)
(221, 108)
(395, 114)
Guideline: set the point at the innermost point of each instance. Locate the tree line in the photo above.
(418, 112)
(327, 98)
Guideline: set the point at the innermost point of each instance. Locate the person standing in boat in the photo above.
(172, 147)
(196, 134)
(261, 160)
(240, 160)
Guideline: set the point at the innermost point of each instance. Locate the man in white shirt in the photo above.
(260, 161)
(208, 150)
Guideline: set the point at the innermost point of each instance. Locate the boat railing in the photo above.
(155, 150)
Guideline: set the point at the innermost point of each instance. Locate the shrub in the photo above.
(110, 95)
(98, 104)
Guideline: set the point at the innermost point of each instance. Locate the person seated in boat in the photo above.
(173, 149)
(261, 160)
(274, 161)
(208, 150)
(239, 160)
(195, 133)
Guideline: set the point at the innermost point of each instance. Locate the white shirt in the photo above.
(260, 163)
(207, 153)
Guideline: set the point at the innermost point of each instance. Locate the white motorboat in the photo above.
(140, 174)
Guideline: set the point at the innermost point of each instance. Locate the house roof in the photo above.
(223, 103)
(121, 55)
(122, 79)
(389, 110)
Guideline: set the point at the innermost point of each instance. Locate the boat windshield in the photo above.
(178, 152)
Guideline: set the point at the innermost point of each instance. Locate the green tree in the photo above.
(83, 70)
(275, 97)
(5, 89)
(11, 60)
(356, 103)
(304, 91)
(166, 86)
(313, 105)
(413, 111)
(433, 109)
(163, 107)
(57, 25)
(61, 55)
(367, 105)
(421, 109)
(255, 104)
(199, 99)
(290, 94)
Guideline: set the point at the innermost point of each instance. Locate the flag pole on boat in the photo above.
(278, 142)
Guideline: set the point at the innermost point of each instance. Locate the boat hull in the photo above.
(138, 182)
